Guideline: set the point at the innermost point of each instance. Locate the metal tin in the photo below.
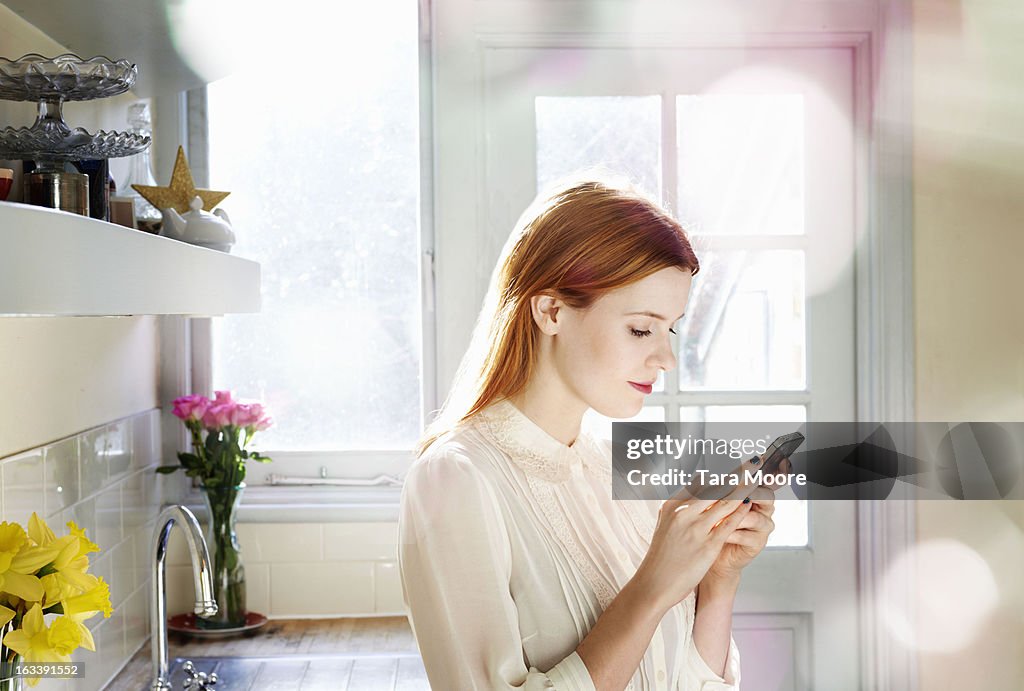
(58, 190)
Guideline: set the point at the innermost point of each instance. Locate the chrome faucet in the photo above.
(201, 574)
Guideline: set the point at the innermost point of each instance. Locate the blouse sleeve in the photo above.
(702, 678)
(455, 564)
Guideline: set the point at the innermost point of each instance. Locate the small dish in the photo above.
(186, 624)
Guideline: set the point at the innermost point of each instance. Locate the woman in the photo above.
(518, 569)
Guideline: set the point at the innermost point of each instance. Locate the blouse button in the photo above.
(661, 675)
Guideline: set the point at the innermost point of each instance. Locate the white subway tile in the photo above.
(280, 542)
(145, 439)
(387, 588)
(23, 487)
(61, 474)
(136, 621)
(122, 572)
(360, 541)
(257, 587)
(108, 517)
(83, 513)
(318, 588)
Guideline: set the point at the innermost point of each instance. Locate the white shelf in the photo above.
(61, 264)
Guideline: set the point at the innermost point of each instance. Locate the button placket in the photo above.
(658, 650)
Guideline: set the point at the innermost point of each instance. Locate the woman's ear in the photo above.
(546, 311)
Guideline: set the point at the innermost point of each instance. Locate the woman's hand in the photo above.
(688, 539)
(750, 537)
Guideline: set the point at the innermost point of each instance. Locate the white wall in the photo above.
(76, 442)
(968, 106)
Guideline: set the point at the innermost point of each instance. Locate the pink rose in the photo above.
(263, 423)
(222, 397)
(217, 416)
(246, 414)
(191, 407)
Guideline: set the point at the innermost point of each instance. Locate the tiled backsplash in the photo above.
(103, 479)
(305, 569)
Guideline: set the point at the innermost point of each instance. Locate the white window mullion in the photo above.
(669, 189)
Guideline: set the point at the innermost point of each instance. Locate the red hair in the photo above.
(577, 244)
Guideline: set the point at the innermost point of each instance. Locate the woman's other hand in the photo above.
(690, 536)
(750, 536)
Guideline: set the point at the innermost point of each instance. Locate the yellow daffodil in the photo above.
(37, 643)
(19, 562)
(70, 564)
(87, 605)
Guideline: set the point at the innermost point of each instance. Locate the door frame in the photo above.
(878, 34)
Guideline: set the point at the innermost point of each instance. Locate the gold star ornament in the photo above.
(180, 192)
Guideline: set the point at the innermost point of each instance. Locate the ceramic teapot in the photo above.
(198, 227)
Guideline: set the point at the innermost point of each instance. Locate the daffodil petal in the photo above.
(79, 579)
(31, 559)
(6, 614)
(12, 537)
(23, 586)
(86, 545)
(64, 636)
(33, 621)
(39, 531)
(18, 641)
(87, 641)
(67, 547)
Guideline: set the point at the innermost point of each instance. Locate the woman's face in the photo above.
(610, 354)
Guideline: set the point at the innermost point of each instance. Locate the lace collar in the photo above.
(533, 449)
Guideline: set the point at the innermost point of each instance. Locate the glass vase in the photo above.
(228, 572)
(8, 659)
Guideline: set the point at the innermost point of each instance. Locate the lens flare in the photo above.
(953, 593)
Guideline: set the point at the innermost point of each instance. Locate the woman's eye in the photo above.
(640, 334)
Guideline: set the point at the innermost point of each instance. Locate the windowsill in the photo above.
(319, 504)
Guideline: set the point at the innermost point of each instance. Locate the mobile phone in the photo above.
(781, 448)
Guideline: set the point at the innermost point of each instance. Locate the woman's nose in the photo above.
(665, 357)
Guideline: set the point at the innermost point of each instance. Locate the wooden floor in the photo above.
(371, 654)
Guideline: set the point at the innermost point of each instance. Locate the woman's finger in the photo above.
(730, 523)
(764, 500)
(715, 513)
(685, 499)
(701, 499)
(746, 538)
(756, 521)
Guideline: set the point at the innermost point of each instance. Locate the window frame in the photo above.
(194, 131)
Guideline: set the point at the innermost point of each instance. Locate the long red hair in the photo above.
(576, 244)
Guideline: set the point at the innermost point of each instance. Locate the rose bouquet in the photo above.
(219, 461)
(229, 425)
(40, 575)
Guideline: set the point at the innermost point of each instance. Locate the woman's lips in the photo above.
(642, 388)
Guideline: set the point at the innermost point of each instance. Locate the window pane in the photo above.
(744, 327)
(323, 169)
(741, 163)
(791, 516)
(622, 133)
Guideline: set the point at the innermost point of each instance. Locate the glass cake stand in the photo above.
(50, 142)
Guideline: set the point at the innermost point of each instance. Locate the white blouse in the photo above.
(510, 547)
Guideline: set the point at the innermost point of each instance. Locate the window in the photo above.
(320, 152)
(739, 169)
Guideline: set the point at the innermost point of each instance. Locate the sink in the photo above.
(357, 672)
